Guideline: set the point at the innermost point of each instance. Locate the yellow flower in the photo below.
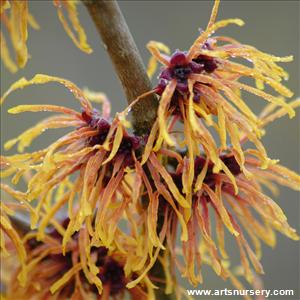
(86, 170)
(15, 18)
(216, 192)
(84, 272)
(94, 175)
(237, 200)
(201, 89)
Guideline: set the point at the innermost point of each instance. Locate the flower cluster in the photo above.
(107, 205)
(81, 273)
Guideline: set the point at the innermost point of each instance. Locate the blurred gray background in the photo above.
(271, 26)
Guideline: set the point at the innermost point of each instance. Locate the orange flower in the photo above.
(201, 89)
(215, 192)
(237, 200)
(82, 273)
(86, 170)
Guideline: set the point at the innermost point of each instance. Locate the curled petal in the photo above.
(42, 79)
(80, 41)
(154, 48)
(203, 37)
(65, 278)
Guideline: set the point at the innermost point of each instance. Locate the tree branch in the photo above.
(126, 59)
(129, 66)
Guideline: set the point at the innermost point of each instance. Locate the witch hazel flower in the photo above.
(180, 69)
(98, 153)
(214, 193)
(177, 189)
(92, 174)
(201, 87)
(83, 272)
(238, 203)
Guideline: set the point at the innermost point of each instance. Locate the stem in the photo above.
(129, 66)
(126, 59)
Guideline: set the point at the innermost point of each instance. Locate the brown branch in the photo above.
(126, 59)
(129, 66)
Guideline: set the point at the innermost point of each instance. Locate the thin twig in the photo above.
(126, 59)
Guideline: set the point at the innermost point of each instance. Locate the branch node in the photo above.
(126, 59)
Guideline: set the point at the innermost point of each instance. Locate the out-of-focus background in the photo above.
(271, 26)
